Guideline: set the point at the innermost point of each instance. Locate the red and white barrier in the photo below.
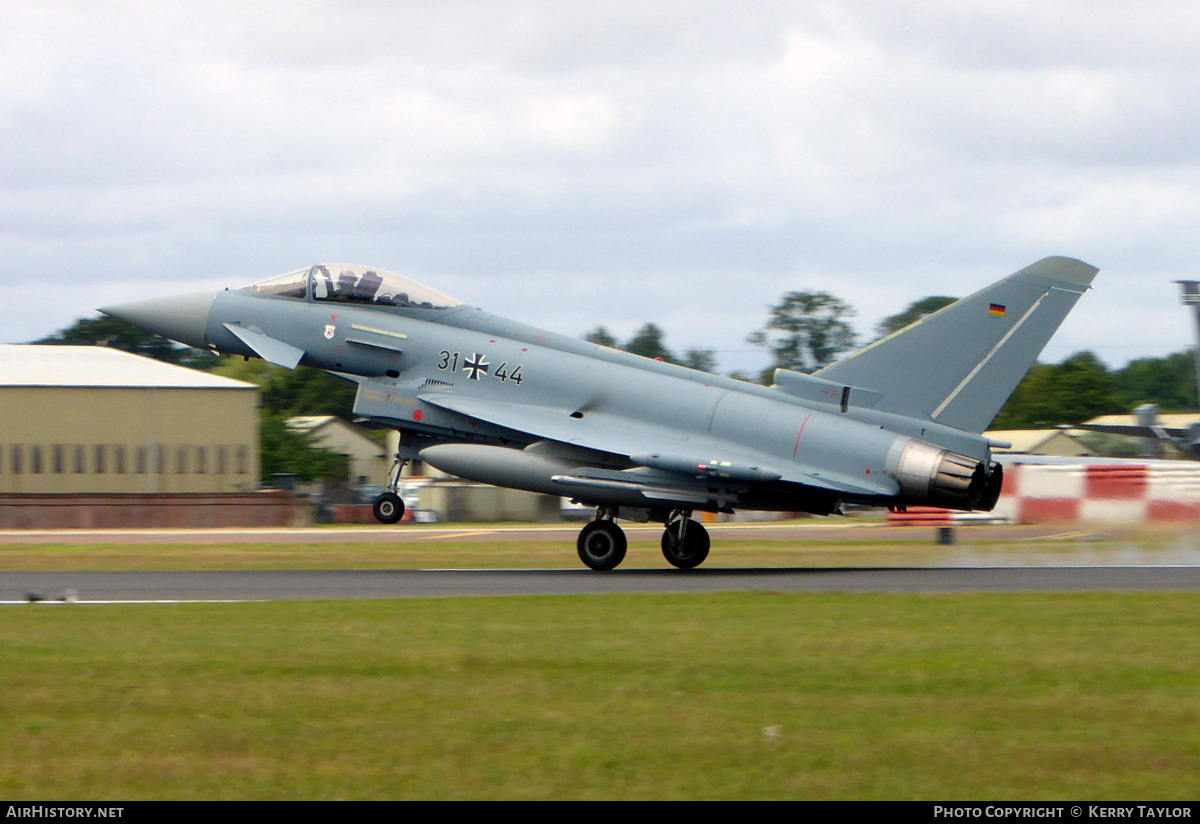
(1114, 493)
(1093, 492)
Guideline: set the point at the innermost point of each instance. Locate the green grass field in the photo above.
(727, 696)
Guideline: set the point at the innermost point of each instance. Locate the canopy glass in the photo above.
(346, 283)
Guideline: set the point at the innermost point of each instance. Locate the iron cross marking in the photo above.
(477, 366)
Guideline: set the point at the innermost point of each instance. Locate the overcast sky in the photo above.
(573, 164)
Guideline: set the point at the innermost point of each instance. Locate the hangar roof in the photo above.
(99, 366)
(333, 425)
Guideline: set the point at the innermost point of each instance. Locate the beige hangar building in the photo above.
(88, 419)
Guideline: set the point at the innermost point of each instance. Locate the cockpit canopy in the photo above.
(346, 283)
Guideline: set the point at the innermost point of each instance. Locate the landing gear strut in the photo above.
(602, 543)
(684, 541)
(388, 508)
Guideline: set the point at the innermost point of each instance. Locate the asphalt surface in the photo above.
(259, 585)
(563, 533)
(262, 585)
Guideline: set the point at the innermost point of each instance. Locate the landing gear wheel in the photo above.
(601, 545)
(388, 508)
(689, 552)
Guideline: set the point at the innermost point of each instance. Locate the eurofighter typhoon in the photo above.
(895, 424)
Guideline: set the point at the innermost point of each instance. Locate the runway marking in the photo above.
(1057, 536)
(471, 534)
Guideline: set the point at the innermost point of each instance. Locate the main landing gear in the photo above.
(388, 508)
(684, 541)
(602, 543)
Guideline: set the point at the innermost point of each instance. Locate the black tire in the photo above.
(601, 545)
(388, 508)
(692, 551)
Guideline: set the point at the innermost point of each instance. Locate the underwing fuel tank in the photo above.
(551, 475)
(497, 465)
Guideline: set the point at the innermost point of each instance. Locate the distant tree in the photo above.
(286, 451)
(1023, 410)
(1086, 388)
(1081, 388)
(305, 391)
(1169, 383)
(251, 370)
(1074, 391)
(1111, 446)
(702, 360)
(299, 391)
(914, 312)
(806, 330)
(118, 334)
(602, 337)
(648, 342)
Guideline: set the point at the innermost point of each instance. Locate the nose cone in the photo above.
(183, 317)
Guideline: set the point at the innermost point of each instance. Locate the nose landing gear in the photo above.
(388, 508)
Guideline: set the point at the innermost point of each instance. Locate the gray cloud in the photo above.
(606, 163)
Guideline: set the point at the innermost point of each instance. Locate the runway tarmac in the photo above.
(1161, 572)
(562, 533)
(263, 585)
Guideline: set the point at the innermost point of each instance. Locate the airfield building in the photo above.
(1053, 442)
(368, 458)
(88, 420)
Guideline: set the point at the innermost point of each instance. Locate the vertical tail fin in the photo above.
(959, 365)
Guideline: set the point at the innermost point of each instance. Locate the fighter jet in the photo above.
(493, 400)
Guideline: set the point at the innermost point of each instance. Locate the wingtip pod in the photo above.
(1062, 268)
